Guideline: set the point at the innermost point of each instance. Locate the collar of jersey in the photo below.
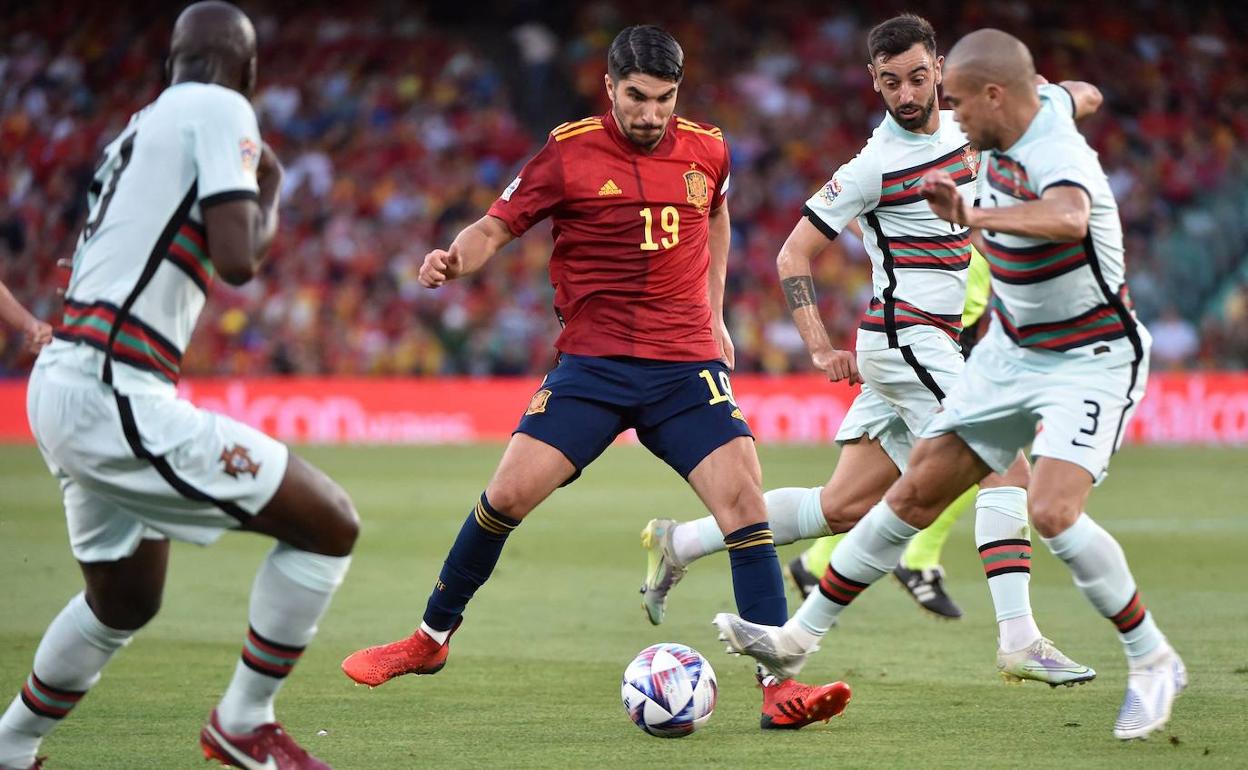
(893, 127)
(662, 148)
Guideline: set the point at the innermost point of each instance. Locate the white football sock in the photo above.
(1004, 542)
(869, 552)
(795, 513)
(69, 658)
(691, 540)
(1100, 571)
(291, 592)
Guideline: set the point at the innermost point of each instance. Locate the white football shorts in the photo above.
(902, 389)
(145, 466)
(1083, 404)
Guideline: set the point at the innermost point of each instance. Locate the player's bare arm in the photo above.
(793, 264)
(1061, 214)
(468, 253)
(241, 231)
(36, 332)
(718, 237)
(1087, 97)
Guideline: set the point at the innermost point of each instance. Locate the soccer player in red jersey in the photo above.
(637, 198)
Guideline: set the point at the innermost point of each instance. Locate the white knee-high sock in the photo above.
(869, 552)
(794, 513)
(1100, 571)
(68, 662)
(1004, 543)
(291, 592)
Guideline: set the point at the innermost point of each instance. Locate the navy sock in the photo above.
(756, 579)
(469, 564)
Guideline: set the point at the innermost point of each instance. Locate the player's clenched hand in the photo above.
(440, 266)
(38, 334)
(838, 365)
(941, 193)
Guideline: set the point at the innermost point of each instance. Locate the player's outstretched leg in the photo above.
(940, 470)
(1004, 542)
(729, 482)
(862, 474)
(919, 570)
(529, 471)
(316, 527)
(1155, 673)
(120, 598)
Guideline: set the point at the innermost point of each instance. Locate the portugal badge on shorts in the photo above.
(237, 461)
(697, 192)
(538, 404)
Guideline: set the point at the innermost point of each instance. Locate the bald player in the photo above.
(187, 192)
(1065, 350)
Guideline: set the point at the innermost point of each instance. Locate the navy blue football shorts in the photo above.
(682, 410)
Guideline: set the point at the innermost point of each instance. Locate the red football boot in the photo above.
(417, 654)
(268, 747)
(790, 705)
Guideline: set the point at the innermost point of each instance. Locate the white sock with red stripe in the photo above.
(291, 593)
(68, 662)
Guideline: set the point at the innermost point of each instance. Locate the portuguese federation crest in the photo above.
(970, 156)
(236, 461)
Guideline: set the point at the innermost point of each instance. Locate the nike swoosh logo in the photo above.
(911, 183)
(244, 761)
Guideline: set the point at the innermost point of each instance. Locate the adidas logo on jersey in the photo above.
(610, 188)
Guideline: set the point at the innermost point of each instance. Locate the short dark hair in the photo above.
(646, 49)
(898, 34)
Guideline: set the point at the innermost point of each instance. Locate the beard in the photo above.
(919, 118)
(637, 133)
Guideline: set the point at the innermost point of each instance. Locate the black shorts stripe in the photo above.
(131, 430)
(923, 374)
(229, 195)
(1128, 322)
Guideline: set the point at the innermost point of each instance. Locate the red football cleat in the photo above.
(268, 747)
(417, 654)
(790, 705)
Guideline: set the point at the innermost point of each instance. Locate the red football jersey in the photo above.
(630, 261)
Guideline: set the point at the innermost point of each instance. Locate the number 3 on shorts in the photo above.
(718, 396)
(1093, 414)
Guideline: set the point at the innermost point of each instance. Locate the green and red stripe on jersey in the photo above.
(1130, 616)
(1099, 324)
(48, 701)
(937, 252)
(189, 252)
(1008, 176)
(837, 588)
(897, 188)
(1033, 264)
(135, 343)
(268, 657)
(1001, 557)
(905, 315)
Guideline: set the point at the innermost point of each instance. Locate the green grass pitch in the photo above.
(533, 679)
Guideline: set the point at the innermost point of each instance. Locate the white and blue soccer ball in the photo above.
(669, 690)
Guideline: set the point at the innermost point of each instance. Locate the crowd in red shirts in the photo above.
(398, 126)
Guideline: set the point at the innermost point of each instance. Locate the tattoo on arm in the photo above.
(799, 291)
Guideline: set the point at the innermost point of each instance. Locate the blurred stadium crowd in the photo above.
(398, 124)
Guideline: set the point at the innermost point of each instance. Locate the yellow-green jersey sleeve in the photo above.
(978, 288)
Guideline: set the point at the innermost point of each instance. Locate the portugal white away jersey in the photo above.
(1065, 297)
(918, 261)
(141, 270)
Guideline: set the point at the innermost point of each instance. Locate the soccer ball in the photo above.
(669, 690)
